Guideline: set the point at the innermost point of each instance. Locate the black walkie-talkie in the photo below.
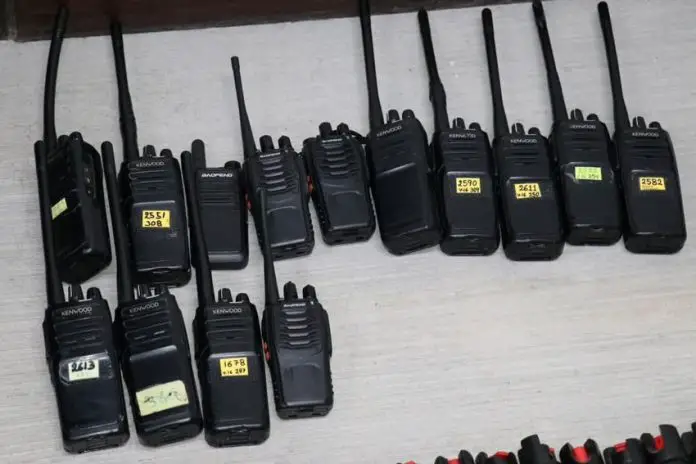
(229, 348)
(75, 186)
(649, 177)
(80, 349)
(154, 347)
(533, 451)
(397, 156)
(464, 171)
(153, 196)
(531, 223)
(665, 448)
(280, 173)
(630, 451)
(220, 193)
(340, 186)
(589, 453)
(501, 457)
(582, 151)
(298, 344)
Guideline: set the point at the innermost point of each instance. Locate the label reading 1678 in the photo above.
(234, 367)
(156, 219)
(527, 190)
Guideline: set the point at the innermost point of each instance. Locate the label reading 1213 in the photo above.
(83, 369)
(156, 219)
(527, 190)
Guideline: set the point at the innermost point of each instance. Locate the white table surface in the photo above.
(432, 353)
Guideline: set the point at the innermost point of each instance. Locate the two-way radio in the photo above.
(339, 184)
(80, 348)
(533, 451)
(588, 453)
(228, 346)
(531, 223)
(464, 171)
(582, 151)
(652, 197)
(154, 347)
(279, 173)
(297, 341)
(153, 196)
(223, 210)
(665, 448)
(400, 175)
(75, 185)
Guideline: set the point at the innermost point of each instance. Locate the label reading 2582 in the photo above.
(156, 219)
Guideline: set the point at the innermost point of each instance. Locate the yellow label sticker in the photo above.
(588, 173)
(468, 185)
(59, 208)
(527, 190)
(156, 219)
(652, 184)
(234, 367)
(83, 369)
(161, 397)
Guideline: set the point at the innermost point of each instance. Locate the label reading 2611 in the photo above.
(156, 219)
(527, 191)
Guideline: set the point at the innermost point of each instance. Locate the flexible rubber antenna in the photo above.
(437, 90)
(499, 117)
(376, 116)
(54, 287)
(129, 129)
(247, 134)
(50, 136)
(124, 276)
(269, 274)
(558, 106)
(204, 278)
(621, 119)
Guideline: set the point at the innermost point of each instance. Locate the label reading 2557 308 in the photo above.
(156, 219)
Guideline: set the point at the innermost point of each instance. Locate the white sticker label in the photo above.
(83, 369)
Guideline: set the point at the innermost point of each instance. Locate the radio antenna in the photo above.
(247, 134)
(560, 112)
(50, 136)
(499, 116)
(129, 130)
(54, 287)
(204, 278)
(376, 116)
(621, 119)
(124, 277)
(437, 90)
(269, 274)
